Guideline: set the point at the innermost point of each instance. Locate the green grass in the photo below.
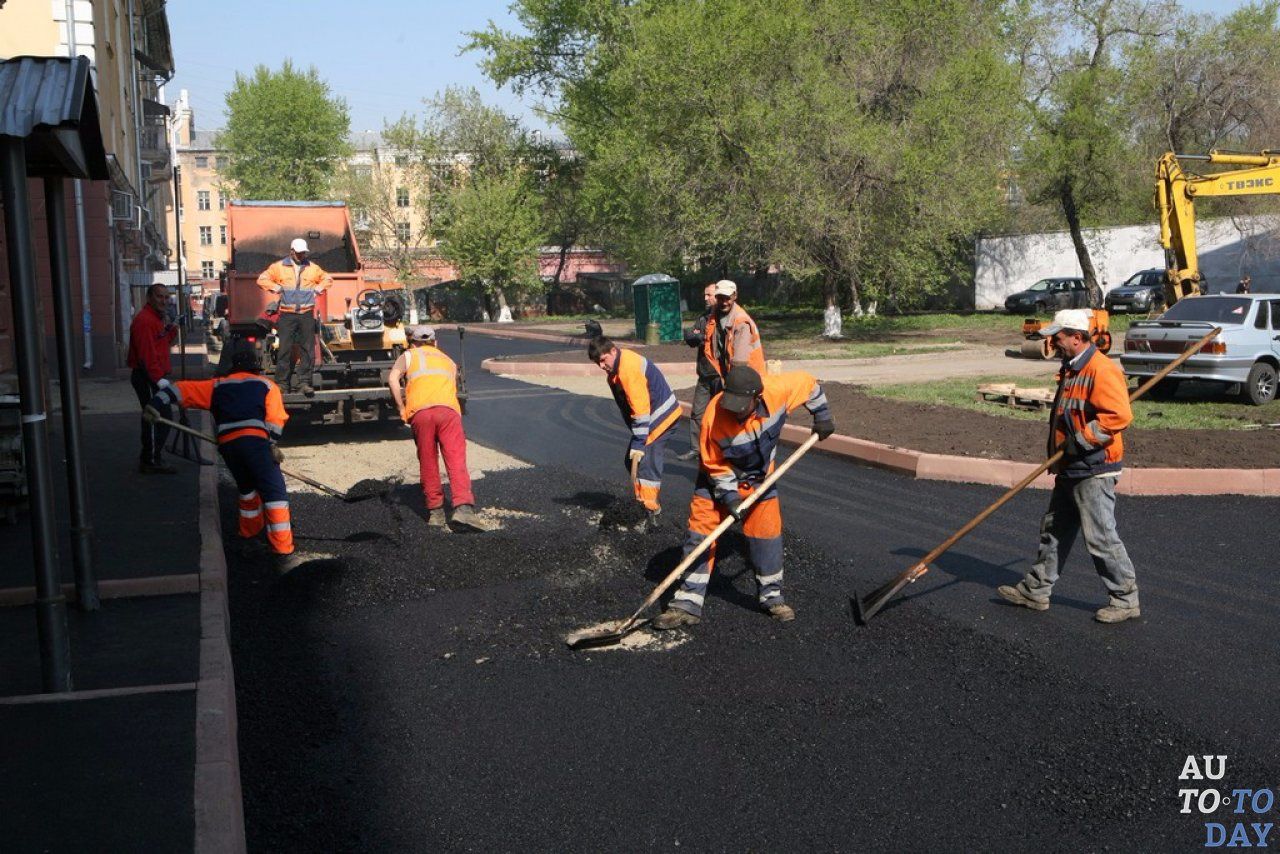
(789, 349)
(1214, 412)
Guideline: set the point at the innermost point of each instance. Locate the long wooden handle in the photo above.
(922, 566)
(724, 525)
(293, 474)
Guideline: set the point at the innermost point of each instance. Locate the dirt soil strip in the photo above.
(947, 430)
(391, 695)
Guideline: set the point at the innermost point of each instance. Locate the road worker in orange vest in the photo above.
(429, 404)
(250, 417)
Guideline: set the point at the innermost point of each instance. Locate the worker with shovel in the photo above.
(649, 409)
(250, 416)
(429, 404)
(1090, 411)
(738, 441)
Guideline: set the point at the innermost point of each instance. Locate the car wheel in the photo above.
(1260, 388)
(1164, 390)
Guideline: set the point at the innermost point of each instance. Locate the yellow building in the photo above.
(205, 247)
(119, 232)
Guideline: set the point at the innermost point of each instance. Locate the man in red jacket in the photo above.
(150, 336)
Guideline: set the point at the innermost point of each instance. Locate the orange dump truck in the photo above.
(360, 319)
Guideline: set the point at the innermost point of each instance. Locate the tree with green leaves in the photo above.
(285, 134)
(835, 139)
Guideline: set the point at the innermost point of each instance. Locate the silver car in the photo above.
(1245, 353)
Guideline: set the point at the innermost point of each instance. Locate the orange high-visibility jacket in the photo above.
(431, 379)
(1093, 404)
(242, 404)
(298, 283)
(644, 397)
(735, 340)
(734, 450)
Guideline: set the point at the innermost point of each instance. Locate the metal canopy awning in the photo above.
(49, 102)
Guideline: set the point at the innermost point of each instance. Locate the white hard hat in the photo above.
(726, 288)
(1079, 319)
(299, 245)
(422, 334)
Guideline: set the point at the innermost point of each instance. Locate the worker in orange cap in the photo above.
(429, 404)
(249, 413)
(649, 408)
(296, 281)
(738, 440)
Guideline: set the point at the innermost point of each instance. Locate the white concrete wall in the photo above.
(1227, 248)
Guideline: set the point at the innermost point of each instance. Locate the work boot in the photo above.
(674, 618)
(437, 518)
(465, 514)
(782, 613)
(1114, 614)
(307, 390)
(650, 523)
(1012, 594)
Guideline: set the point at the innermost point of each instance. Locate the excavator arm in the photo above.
(1176, 192)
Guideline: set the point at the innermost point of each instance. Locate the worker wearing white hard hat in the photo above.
(296, 281)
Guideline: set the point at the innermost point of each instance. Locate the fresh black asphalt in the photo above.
(413, 693)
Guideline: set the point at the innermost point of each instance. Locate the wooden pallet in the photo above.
(1008, 394)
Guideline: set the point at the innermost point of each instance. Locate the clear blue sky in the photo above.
(382, 56)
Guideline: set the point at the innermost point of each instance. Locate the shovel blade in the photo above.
(610, 634)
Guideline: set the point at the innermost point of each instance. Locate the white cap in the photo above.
(725, 288)
(299, 245)
(1079, 319)
(422, 333)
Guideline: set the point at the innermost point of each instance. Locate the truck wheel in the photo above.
(1260, 388)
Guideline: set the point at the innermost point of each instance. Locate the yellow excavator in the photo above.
(1176, 194)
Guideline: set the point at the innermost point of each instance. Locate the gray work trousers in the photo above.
(702, 394)
(1086, 506)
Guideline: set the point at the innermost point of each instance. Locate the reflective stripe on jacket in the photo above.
(431, 379)
(734, 450)
(242, 404)
(1092, 403)
(298, 283)
(733, 340)
(644, 397)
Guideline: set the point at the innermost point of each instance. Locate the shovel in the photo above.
(866, 608)
(589, 638)
(328, 490)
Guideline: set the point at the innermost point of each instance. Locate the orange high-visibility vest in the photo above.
(431, 379)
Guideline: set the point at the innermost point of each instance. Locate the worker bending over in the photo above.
(738, 440)
(429, 404)
(1090, 411)
(649, 409)
(249, 413)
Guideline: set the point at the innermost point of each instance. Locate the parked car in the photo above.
(1049, 295)
(1142, 292)
(1246, 353)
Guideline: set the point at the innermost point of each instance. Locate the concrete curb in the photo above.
(506, 368)
(219, 803)
(1005, 473)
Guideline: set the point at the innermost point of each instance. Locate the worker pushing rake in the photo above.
(736, 483)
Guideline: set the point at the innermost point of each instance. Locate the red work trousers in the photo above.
(441, 426)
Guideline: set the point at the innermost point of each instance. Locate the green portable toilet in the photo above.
(657, 300)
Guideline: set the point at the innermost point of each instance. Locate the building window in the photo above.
(404, 232)
(202, 200)
(206, 269)
(220, 162)
(402, 197)
(206, 235)
(222, 235)
(202, 162)
(222, 201)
